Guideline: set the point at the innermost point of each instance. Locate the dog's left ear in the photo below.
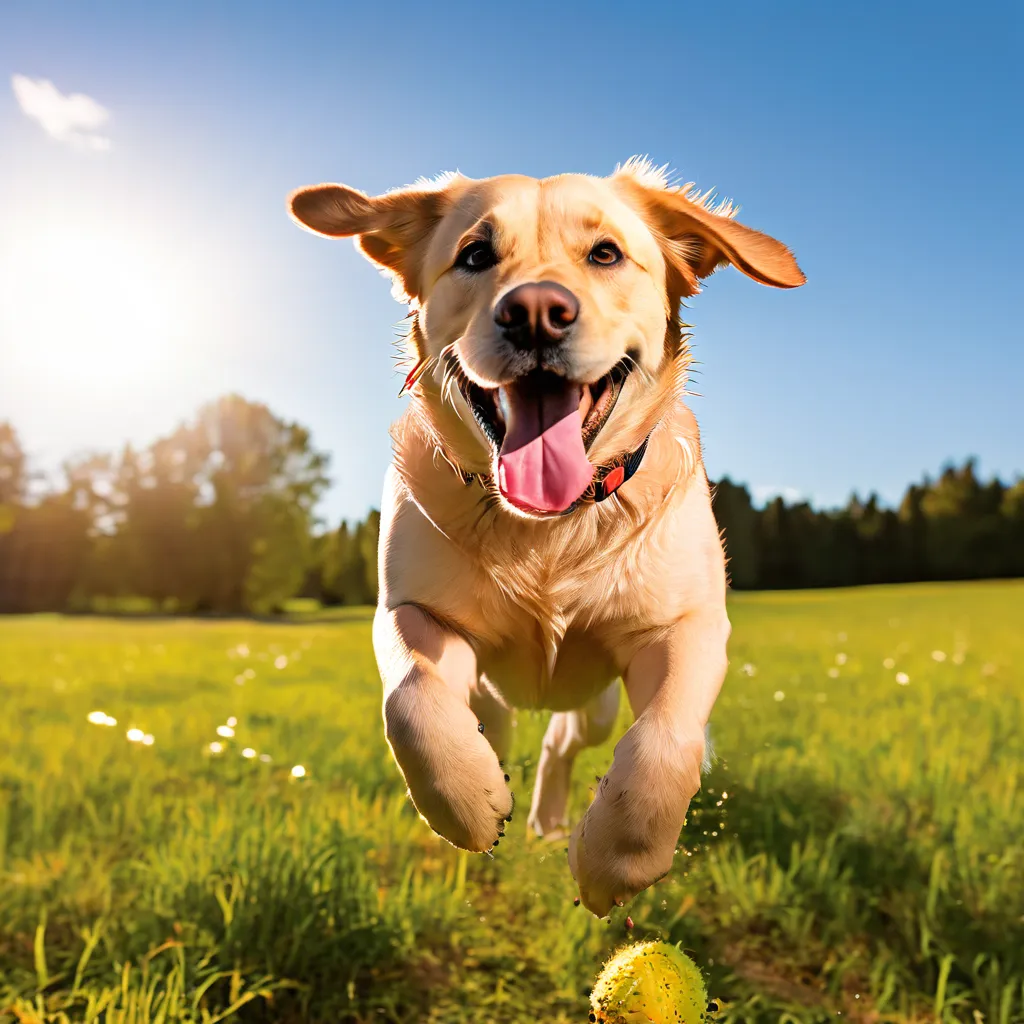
(391, 230)
(697, 241)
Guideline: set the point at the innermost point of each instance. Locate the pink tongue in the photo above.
(542, 465)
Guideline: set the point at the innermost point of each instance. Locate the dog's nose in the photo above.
(537, 314)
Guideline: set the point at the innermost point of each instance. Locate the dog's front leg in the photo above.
(627, 839)
(452, 772)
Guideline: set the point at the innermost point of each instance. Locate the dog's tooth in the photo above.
(501, 400)
(586, 403)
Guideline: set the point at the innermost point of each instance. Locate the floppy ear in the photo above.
(391, 230)
(698, 240)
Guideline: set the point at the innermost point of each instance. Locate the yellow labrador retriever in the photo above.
(546, 526)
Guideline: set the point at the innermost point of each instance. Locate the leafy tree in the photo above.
(13, 480)
(259, 480)
(738, 521)
(368, 541)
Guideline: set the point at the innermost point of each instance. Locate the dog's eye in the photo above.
(605, 254)
(476, 256)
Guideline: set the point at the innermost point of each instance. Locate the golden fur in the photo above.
(484, 607)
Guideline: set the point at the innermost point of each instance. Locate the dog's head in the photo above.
(551, 303)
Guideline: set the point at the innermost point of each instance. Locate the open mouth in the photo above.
(541, 427)
(492, 407)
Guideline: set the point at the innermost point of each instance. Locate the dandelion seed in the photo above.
(232, 721)
(298, 772)
(97, 717)
(248, 752)
(135, 735)
(249, 673)
(281, 661)
(216, 748)
(226, 731)
(840, 659)
(889, 663)
(148, 740)
(779, 695)
(243, 650)
(749, 669)
(240, 680)
(833, 673)
(725, 796)
(938, 655)
(902, 678)
(266, 758)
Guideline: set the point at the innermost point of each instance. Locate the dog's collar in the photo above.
(607, 479)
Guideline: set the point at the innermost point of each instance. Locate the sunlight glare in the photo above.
(90, 306)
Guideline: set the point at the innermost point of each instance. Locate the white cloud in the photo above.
(763, 493)
(72, 119)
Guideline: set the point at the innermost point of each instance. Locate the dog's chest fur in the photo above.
(555, 609)
(551, 624)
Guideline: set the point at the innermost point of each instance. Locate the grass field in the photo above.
(858, 849)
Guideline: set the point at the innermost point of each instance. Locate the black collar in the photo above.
(607, 479)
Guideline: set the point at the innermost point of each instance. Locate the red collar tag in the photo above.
(614, 480)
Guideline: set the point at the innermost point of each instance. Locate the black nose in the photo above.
(536, 315)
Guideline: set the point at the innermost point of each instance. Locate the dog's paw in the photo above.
(453, 774)
(627, 839)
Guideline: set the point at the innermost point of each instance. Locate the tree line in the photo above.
(955, 527)
(219, 517)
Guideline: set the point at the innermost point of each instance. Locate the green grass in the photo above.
(858, 849)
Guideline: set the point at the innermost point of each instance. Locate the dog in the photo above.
(546, 523)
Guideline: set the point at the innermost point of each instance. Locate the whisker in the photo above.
(647, 376)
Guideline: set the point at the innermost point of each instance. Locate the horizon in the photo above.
(145, 189)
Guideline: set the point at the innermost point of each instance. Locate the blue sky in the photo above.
(882, 142)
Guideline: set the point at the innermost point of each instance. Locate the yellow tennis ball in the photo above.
(649, 983)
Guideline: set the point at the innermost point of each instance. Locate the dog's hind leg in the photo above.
(567, 734)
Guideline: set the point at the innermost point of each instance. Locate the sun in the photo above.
(88, 308)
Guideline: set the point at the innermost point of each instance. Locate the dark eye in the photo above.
(605, 254)
(476, 256)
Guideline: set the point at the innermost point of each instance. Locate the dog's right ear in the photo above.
(391, 230)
